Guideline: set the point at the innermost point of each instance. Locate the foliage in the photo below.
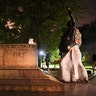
(88, 38)
(86, 57)
(41, 20)
(55, 55)
(88, 32)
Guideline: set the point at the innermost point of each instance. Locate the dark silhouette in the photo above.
(47, 59)
(69, 38)
(94, 61)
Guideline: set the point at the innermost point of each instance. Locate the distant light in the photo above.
(41, 53)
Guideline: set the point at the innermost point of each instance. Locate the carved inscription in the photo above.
(16, 46)
(18, 56)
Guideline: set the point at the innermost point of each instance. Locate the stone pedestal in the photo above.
(19, 70)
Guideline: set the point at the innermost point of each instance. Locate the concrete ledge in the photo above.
(48, 88)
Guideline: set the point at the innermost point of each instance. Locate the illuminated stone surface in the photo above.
(19, 70)
(18, 56)
(20, 75)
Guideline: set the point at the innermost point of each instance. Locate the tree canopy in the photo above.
(88, 37)
(41, 20)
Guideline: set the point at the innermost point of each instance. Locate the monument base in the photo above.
(30, 80)
(19, 70)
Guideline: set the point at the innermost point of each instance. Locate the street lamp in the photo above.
(41, 53)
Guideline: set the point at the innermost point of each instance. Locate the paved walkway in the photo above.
(77, 89)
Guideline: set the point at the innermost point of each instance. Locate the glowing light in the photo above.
(41, 53)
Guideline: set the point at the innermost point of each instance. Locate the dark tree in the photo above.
(41, 20)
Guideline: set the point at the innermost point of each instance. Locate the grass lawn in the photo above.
(86, 65)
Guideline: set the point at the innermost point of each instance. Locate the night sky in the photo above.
(89, 18)
(92, 5)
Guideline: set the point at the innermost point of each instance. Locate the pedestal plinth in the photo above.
(19, 70)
